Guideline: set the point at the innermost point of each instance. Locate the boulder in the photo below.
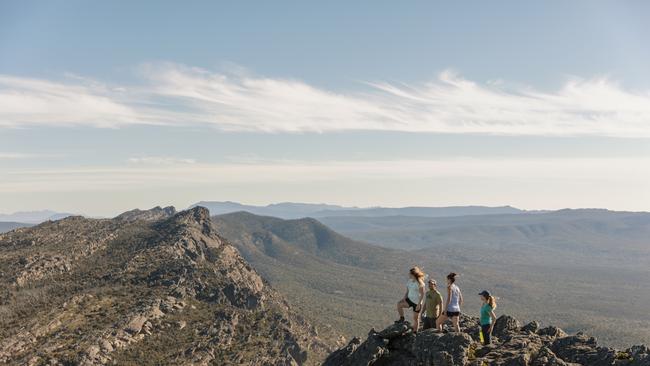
(552, 332)
(395, 330)
(356, 353)
(399, 345)
(531, 327)
(584, 350)
(505, 326)
(639, 355)
(546, 357)
(136, 324)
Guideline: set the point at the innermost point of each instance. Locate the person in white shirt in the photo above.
(413, 297)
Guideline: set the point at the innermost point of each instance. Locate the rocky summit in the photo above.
(513, 345)
(146, 288)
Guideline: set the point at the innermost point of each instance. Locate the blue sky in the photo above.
(109, 106)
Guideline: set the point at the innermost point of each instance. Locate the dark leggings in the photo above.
(485, 329)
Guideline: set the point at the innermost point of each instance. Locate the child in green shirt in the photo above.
(487, 315)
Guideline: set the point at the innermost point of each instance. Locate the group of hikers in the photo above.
(435, 313)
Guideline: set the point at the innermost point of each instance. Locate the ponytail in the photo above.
(452, 277)
(492, 301)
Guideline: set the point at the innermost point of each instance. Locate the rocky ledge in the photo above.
(512, 345)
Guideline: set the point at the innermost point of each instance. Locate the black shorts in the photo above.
(451, 314)
(412, 304)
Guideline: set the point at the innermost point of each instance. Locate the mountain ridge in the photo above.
(141, 289)
(291, 210)
(331, 287)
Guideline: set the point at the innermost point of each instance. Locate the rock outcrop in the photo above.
(156, 213)
(148, 288)
(513, 345)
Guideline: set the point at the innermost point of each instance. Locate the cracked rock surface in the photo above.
(514, 345)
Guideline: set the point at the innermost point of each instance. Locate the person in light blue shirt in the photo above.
(453, 304)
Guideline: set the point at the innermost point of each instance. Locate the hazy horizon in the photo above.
(265, 204)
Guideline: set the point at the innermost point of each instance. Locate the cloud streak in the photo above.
(160, 160)
(176, 172)
(21, 156)
(25, 102)
(172, 94)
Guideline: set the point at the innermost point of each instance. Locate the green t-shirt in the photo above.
(486, 319)
(433, 299)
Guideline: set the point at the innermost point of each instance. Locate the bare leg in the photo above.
(440, 321)
(400, 307)
(416, 321)
(456, 321)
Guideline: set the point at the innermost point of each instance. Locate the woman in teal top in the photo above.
(487, 315)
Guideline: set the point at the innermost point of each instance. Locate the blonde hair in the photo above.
(418, 274)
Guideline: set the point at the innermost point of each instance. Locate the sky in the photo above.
(108, 106)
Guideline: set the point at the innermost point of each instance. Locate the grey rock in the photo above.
(153, 214)
(397, 345)
(531, 327)
(506, 325)
(584, 350)
(552, 332)
(395, 330)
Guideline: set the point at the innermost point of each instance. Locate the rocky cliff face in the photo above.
(514, 345)
(148, 287)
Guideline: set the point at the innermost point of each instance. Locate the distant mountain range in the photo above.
(33, 217)
(592, 230)
(288, 210)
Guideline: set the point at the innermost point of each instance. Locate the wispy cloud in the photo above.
(180, 95)
(25, 101)
(160, 160)
(8, 155)
(151, 174)
(16, 155)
